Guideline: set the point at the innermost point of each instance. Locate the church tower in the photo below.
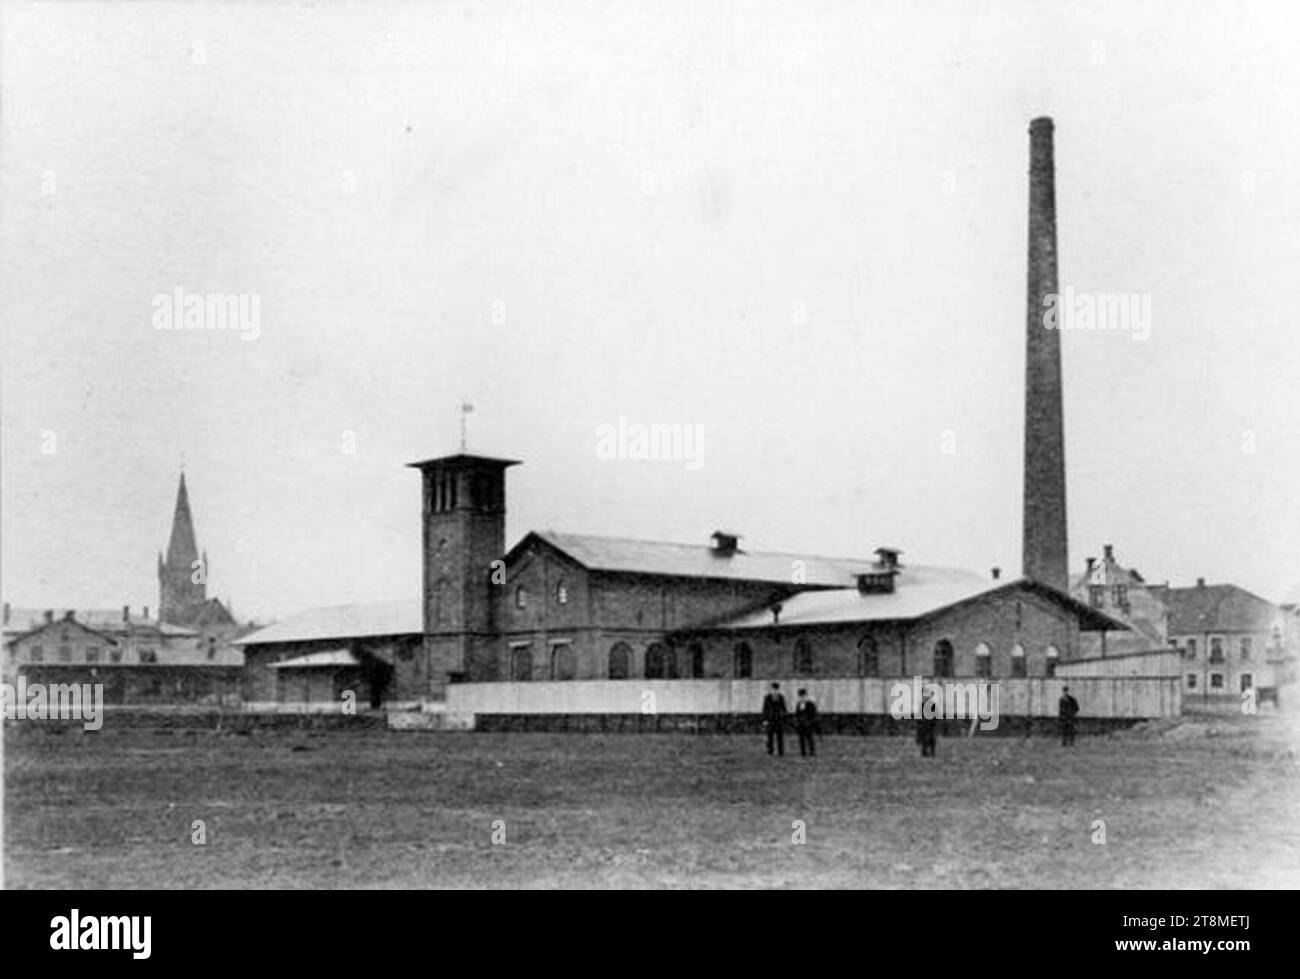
(464, 518)
(180, 595)
(1044, 532)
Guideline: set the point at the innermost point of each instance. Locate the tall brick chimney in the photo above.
(1044, 537)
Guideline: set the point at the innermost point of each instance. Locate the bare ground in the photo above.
(1208, 802)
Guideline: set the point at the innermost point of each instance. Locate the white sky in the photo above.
(652, 190)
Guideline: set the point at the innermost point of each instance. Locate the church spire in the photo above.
(182, 548)
(182, 580)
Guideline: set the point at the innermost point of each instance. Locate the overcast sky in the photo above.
(801, 226)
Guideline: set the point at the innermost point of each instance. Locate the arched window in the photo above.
(696, 651)
(868, 657)
(562, 592)
(943, 658)
(1018, 661)
(1051, 656)
(521, 663)
(803, 657)
(620, 661)
(744, 666)
(983, 660)
(564, 664)
(656, 661)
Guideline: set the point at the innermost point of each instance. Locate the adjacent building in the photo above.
(1121, 593)
(1231, 640)
(184, 654)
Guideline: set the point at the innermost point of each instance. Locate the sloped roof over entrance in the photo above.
(322, 657)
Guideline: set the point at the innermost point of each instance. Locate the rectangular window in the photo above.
(1191, 648)
(115, 655)
(1247, 681)
(1018, 666)
(65, 654)
(1216, 649)
(1097, 595)
(1245, 649)
(1120, 593)
(38, 654)
(1216, 681)
(983, 666)
(92, 654)
(1191, 681)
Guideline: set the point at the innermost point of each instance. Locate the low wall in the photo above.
(195, 720)
(1131, 698)
(143, 683)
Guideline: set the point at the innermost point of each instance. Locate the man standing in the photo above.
(805, 722)
(927, 725)
(1068, 709)
(774, 719)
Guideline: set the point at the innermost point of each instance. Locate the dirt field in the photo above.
(1204, 804)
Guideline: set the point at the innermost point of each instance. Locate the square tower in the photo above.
(464, 517)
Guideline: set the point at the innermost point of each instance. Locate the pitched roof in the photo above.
(43, 626)
(398, 618)
(1211, 608)
(624, 555)
(100, 619)
(917, 594)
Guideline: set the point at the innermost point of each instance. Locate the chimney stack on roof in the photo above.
(6, 613)
(997, 573)
(888, 557)
(1200, 582)
(1109, 551)
(49, 615)
(69, 615)
(725, 543)
(126, 613)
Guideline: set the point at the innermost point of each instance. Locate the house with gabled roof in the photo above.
(1232, 641)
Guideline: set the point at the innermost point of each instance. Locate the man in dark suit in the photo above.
(926, 729)
(774, 719)
(805, 722)
(1067, 711)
